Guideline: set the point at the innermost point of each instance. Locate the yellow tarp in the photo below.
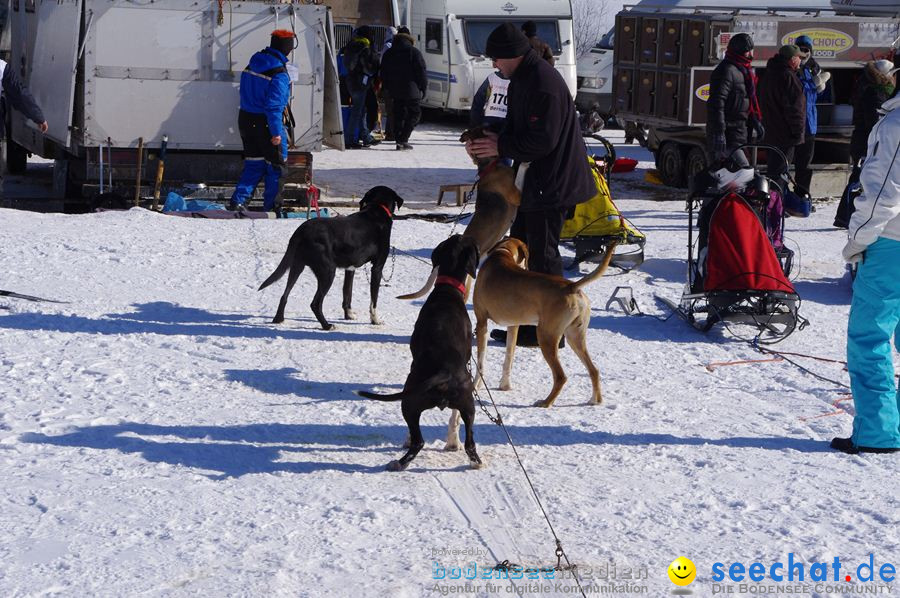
(599, 217)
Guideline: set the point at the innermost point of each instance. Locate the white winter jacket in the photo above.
(878, 207)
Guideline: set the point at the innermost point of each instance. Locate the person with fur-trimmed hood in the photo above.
(875, 87)
(874, 243)
(403, 75)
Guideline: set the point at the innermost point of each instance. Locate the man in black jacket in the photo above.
(542, 135)
(403, 75)
(784, 109)
(15, 94)
(733, 108)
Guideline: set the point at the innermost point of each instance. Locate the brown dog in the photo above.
(496, 205)
(511, 296)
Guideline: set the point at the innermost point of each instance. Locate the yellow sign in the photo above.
(682, 571)
(827, 43)
(703, 93)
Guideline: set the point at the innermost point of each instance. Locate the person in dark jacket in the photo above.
(489, 103)
(814, 80)
(529, 28)
(18, 96)
(361, 62)
(875, 87)
(542, 135)
(403, 75)
(733, 108)
(265, 92)
(783, 104)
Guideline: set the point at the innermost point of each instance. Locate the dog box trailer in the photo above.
(452, 35)
(108, 73)
(664, 56)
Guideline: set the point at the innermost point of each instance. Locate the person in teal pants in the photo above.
(874, 243)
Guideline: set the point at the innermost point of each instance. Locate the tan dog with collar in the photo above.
(510, 295)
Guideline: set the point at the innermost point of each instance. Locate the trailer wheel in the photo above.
(696, 163)
(16, 158)
(671, 164)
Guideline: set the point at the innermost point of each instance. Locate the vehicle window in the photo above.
(434, 36)
(477, 32)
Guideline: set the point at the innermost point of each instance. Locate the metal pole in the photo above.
(100, 149)
(137, 183)
(109, 161)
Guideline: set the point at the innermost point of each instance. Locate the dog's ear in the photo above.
(471, 258)
(398, 201)
(438, 254)
(368, 198)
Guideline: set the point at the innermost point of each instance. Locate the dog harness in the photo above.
(386, 209)
(449, 280)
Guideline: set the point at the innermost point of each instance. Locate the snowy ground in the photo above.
(158, 436)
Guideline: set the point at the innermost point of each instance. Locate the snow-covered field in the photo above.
(160, 437)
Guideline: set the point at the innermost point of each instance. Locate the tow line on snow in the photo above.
(559, 552)
(15, 295)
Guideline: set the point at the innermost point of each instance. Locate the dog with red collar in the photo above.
(326, 244)
(441, 346)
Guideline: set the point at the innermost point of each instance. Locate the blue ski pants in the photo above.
(873, 323)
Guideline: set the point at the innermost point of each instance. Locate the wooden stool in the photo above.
(459, 189)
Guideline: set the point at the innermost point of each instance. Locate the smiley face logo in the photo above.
(682, 571)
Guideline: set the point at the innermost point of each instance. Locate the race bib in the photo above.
(495, 103)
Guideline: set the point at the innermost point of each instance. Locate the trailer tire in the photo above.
(16, 158)
(696, 163)
(670, 164)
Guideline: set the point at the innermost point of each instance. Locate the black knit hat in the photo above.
(506, 41)
(740, 43)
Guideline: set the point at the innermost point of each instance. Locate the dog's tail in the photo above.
(599, 270)
(435, 382)
(283, 267)
(421, 292)
(397, 396)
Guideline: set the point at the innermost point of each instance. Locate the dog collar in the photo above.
(386, 209)
(487, 169)
(449, 280)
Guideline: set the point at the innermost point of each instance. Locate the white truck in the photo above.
(595, 83)
(452, 34)
(110, 73)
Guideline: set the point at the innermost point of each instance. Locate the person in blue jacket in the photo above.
(265, 94)
(814, 80)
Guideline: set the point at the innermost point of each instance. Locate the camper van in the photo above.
(452, 35)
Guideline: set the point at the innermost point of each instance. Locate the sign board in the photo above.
(830, 40)
(700, 76)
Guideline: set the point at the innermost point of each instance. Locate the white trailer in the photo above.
(107, 73)
(452, 34)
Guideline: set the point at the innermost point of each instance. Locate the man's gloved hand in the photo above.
(853, 252)
(720, 146)
(757, 127)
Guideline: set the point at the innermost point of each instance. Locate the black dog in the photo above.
(441, 346)
(330, 243)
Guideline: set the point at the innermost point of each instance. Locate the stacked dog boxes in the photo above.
(653, 56)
